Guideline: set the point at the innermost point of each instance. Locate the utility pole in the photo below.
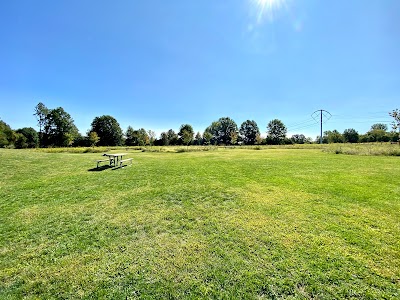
(320, 114)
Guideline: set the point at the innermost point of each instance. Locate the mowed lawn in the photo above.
(228, 223)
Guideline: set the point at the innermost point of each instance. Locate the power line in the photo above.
(301, 122)
(322, 116)
(301, 127)
(369, 121)
(365, 116)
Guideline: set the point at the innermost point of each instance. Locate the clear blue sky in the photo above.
(158, 64)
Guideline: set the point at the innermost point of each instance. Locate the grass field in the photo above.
(228, 223)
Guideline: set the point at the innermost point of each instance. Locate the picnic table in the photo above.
(114, 159)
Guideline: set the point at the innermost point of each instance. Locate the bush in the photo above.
(365, 149)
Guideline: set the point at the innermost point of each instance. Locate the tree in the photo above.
(396, 123)
(298, 139)
(186, 137)
(108, 130)
(394, 136)
(198, 140)
(59, 128)
(211, 134)
(351, 136)
(137, 137)
(224, 131)
(228, 131)
(20, 141)
(234, 135)
(309, 140)
(93, 138)
(163, 141)
(130, 133)
(334, 136)
(249, 131)
(276, 132)
(81, 141)
(7, 136)
(259, 140)
(141, 137)
(168, 138)
(41, 112)
(31, 137)
(378, 135)
(324, 139)
(379, 126)
(363, 138)
(172, 137)
(152, 137)
(207, 137)
(186, 134)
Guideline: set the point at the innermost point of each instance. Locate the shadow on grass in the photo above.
(99, 169)
(103, 168)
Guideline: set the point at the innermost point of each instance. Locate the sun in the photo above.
(268, 8)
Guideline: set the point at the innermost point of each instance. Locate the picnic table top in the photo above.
(115, 154)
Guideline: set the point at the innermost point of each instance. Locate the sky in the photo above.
(157, 64)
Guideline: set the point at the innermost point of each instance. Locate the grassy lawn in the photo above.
(273, 223)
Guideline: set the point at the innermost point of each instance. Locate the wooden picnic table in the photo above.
(114, 158)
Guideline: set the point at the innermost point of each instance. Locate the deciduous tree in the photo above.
(20, 141)
(172, 137)
(141, 137)
(108, 130)
(93, 138)
(186, 134)
(198, 140)
(81, 141)
(351, 136)
(298, 139)
(224, 131)
(129, 136)
(7, 135)
(333, 136)
(41, 112)
(31, 136)
(276, 132)
(249, 131)
(152, 137)
(379, 126)
(59, 128)
(163, 141)
(396, 123)
(207, 137)
(378, 135)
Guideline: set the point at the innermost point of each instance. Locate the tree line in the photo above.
(57, 129)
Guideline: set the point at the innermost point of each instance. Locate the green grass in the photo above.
(276, 223)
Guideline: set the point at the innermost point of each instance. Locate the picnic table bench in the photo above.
(101, 160)
(124, 160)
(114, 159)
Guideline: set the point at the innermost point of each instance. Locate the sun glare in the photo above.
(267, 8)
